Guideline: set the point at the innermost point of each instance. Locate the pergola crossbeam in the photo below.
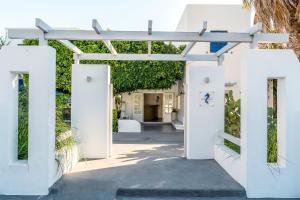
(143, 36)
(252, 31)
(255, 29)
(227, 48)
(98, 29)
(45, 28)
(149, 33)
(161, 57)
(71, 46)
(42, 25)
(192, 44)
(45, 32)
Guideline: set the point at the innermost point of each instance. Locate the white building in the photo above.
(157, 105)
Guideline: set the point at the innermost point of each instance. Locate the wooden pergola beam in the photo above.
(252, 31)
(192, 44)
(149, 33)
(45, 28)
(227, 48)
(160, 57)
(21, 33)
(98, 29)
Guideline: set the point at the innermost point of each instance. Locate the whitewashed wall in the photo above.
(91, 109)
(232, 18)
(203, 122)
(250, 168)
(35, 175)
(265, 180)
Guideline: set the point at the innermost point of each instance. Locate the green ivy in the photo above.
(126, 76)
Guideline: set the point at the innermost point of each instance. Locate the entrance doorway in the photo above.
(153, 107)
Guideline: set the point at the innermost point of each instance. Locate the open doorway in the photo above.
(153, 107)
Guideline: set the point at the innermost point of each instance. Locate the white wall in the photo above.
(231, 162)
(263, 180)
(180, 114)
(202, 123)
(35, 175)
(129, 126)
(91, 109)
(232, 18)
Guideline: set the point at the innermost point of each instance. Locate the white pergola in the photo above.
(45, 32)
(92, 105)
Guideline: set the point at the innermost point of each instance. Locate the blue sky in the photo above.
(113, 14)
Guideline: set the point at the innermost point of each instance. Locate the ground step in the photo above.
(132, 192)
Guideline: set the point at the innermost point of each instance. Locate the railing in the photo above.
(231, 138)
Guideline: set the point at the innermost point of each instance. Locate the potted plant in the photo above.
(174, 114)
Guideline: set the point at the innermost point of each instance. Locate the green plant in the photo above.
(272, 135)
(23, 124)
(126, 76)
(118, 104)
(232, 126)
(232, 146)
(62, 141)
(115, 120)
(3, 41)
(232, 115)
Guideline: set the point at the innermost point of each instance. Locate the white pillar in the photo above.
(91, 109)
(35, 175)
(203, 119)
(280, 180)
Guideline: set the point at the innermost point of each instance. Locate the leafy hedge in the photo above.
(23, 124)
(126, 76)
(232, 115)
(233, 126)
(115, 121)
(61, 125)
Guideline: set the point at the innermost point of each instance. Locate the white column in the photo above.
(35, 175)
(203, 119)
(91, 109)
(280, 180)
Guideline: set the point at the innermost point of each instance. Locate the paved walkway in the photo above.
(150, 162)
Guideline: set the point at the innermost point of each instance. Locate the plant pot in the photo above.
(173, 116)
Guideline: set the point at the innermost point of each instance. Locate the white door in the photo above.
(138, 106)
(168, 106)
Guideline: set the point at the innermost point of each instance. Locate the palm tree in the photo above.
(279, 16)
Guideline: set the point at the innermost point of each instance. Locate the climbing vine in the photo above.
(126, 76)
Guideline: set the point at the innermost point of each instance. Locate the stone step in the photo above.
(133, 192)
(186, 198)
(178, 125)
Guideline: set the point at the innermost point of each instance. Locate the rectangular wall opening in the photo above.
(23, 112)
(272, 138)
(232, 120)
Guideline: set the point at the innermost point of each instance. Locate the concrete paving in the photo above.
(138, 165)
(151, 134)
